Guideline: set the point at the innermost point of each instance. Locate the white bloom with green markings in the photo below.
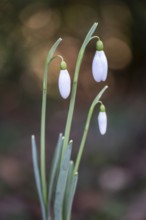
(64, 82)
(102, 120)
(99, 64)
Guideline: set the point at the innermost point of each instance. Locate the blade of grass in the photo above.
(37, 176)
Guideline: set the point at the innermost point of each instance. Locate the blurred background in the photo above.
(112, 180)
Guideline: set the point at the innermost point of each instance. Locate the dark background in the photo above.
(112, 180)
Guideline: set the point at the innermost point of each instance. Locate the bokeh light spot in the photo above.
(118, 52)
(39, 21)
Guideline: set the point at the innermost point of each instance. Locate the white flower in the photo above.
(64, 83)
(99, 66)
(102, 122)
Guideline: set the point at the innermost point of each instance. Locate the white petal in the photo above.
(104, 65)
(102, 122)
(99, 66)
(64, 83)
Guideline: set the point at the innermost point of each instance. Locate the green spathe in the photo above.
(99, 45)
(63, 65)
(102, 108)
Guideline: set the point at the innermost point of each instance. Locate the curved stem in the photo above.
(74, 87)
(81, 148)
(57, 56)
(95, 37)
(43, 124)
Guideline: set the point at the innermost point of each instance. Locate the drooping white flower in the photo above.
(99, 64)
(102, 120)
(64, 83)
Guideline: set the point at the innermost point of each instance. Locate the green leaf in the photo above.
(61, 183)
(70, 191)
(67, 190)
(37, 176)
(54, 169)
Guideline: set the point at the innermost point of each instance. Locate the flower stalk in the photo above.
(43, 122)
(74, 87)
(87, 124)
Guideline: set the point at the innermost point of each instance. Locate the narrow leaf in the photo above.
(37, 176)
(61, 183)
(67, 190)
(54, 168)
(71, 195)
(70, 191)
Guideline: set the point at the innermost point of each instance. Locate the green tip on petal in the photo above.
(102, 108)
(63, 65)
(99, 45)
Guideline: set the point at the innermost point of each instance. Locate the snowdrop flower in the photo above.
(102, 120)
(99, 64)
(64, 81)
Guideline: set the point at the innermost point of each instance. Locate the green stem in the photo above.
(81, 148)
(95, 37)
(74, 87)
(43, 124)
(43, 119)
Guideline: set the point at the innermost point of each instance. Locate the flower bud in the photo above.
(99, 64)
(64, 81)
(102, 120)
